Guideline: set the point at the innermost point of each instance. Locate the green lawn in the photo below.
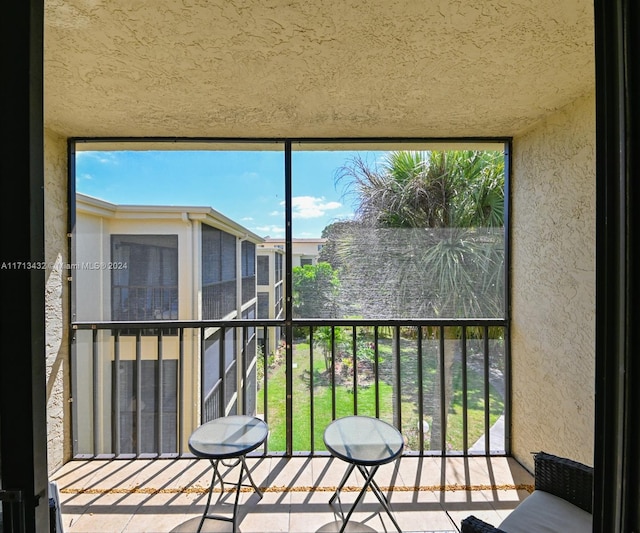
(344, 398)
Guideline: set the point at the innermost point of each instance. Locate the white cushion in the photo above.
(542, 512)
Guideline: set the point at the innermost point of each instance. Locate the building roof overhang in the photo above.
(206, 215)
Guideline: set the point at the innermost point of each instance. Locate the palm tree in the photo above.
(433, 237)
(408, 189)
(430, 225)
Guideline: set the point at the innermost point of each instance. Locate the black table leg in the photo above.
(342, 482)
(216, 474)
(380, 495)
(246, 469)
(369, 482)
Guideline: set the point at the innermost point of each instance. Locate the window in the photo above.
(219, 373)
(263, 270)
(248, 259)
(279, 303)
(263, 305)
(248, 253)
(218, 273)
(150, 409)
(147, 289)
(278, 268)
(411, 231)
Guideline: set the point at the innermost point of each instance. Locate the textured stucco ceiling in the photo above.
(316, 68)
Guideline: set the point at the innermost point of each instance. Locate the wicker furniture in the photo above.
(561, 486)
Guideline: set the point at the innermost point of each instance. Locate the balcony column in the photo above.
(239, 345)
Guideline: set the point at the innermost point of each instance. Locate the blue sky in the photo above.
(247, 187)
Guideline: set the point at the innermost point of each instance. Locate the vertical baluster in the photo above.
(398, 386)
(443, 394)
(159, 393)
(115, 395)
(420, 393)
(507, 391)
(376, 369)
(311, 406)
(265, 381)
(243, 370)
(204, 414)
(181, 390)
(333, 373)
(97, 422)
(138, 392)
(487, 397)
(75, 394)
(354, 359)
(222, 409)
(465, 400)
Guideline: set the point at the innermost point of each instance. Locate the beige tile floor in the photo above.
(165, 496)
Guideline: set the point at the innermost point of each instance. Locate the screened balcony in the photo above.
(527, 74)
(441, 382)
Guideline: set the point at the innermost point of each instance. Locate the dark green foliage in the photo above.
(315, 289)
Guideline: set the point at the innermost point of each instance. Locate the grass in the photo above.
(323, 403)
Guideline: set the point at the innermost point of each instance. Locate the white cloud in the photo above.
(276, 214)
(100, 157)
(247, 219)
(269, 230)
(85, 176)
(311, 206)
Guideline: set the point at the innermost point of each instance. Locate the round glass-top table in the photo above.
(228, 437)
(365, 443)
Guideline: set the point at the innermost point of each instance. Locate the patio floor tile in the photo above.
(427, 495)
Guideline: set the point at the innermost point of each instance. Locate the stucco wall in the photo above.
(330, 68)
(553, 286)
(56, 300)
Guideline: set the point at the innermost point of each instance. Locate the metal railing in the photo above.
(145, 302)
(443, 383)
(218, 299)
(248, 288)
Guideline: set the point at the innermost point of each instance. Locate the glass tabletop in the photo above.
(363, 440)
(229, 436)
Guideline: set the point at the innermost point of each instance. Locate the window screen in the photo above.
(148, 288)
(263, 270)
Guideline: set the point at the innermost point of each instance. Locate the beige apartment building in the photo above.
(271, 290)
(159, 263)
(304, 251)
